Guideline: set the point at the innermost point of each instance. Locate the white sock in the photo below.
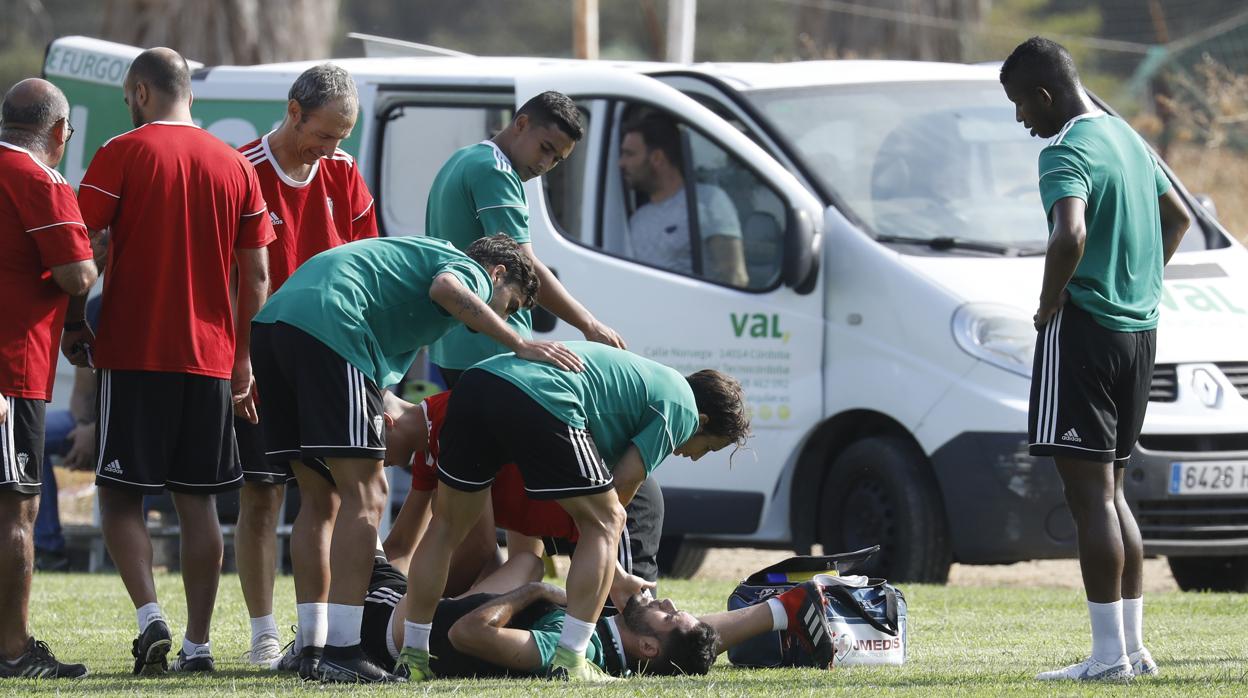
(416, 635)
(313, 624)
(779, 616)
(1108, 644)
(344, 625)
(1133, 623)
(264, 625)
(576, 634)
(190, 649)
(147, 613)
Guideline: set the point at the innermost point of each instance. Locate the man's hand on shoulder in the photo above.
(552, 353)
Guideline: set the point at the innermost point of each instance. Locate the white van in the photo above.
(894, 241)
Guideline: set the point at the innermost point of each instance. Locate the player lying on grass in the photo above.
(586, 440)
(415, 429)
(509, 624)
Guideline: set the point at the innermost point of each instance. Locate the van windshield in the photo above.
(919, 160)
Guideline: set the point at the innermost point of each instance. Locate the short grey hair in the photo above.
(41, 113)
(321, 85)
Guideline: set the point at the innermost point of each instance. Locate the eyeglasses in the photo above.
(69, 130)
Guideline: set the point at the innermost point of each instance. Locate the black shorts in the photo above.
(160, 430)
(490, 422)
(314, 404)
(258, 467)
(1089, 388)
(450, 376)
(638, 552)
(385, 589)
(21, 446)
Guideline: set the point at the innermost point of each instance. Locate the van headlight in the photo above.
(1002, 335)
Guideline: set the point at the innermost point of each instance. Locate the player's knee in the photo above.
(260, 502)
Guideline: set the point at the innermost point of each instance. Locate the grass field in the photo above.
(964, 641)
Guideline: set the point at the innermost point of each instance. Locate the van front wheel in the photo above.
(1210, 573)
(880, 490)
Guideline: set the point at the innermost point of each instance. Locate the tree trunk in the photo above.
(215, 32)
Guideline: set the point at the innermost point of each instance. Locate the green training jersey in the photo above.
(475, 194)
(620, 398)
(1098, 158)
(546, 631)
(369, 300)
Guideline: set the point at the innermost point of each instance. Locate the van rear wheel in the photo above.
(679, 557)
(1210, 573)
(880, 490)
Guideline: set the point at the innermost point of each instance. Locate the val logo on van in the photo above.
(757, 325)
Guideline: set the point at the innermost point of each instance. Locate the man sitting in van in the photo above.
(651, 162)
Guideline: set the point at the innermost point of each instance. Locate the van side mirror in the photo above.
(802, 245)
(1207, 201)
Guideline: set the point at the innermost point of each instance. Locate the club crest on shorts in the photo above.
(329, 201)
(378, 422)
(22, 460)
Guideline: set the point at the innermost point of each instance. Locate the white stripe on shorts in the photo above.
(6, 452)
(1046, 405)
(106, 401)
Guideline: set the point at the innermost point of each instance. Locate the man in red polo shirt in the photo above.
(181, 207)
(317, 200)
(44, 255)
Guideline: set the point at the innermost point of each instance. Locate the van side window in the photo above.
(677, 201)
(412, 155)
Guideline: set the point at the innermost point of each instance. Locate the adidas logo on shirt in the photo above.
(113, 467)
(1072, 435)
(275, 219)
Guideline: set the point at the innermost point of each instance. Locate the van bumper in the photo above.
(1004, 505)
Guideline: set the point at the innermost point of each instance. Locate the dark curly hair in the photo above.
(689, 652)
(719, 396)
(502, 249)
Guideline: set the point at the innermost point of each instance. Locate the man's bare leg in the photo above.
(201, 550)
(362, 493)
(255, 546)
(125, 535)
(309, 553)
(17, 564)
(1091, 494)
(1132, 582)
(454, 515)
(599, 518)
(255, 554)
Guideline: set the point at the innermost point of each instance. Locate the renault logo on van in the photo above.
(1207, 388)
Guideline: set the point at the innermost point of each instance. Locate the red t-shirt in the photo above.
(40, 228)
(513, 510)
(331, 207)
(178, 201)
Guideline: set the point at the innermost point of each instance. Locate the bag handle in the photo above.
(847, 598)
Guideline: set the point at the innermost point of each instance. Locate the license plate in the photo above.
(1209, 477)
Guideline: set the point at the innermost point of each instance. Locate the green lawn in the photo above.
(963, 642)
